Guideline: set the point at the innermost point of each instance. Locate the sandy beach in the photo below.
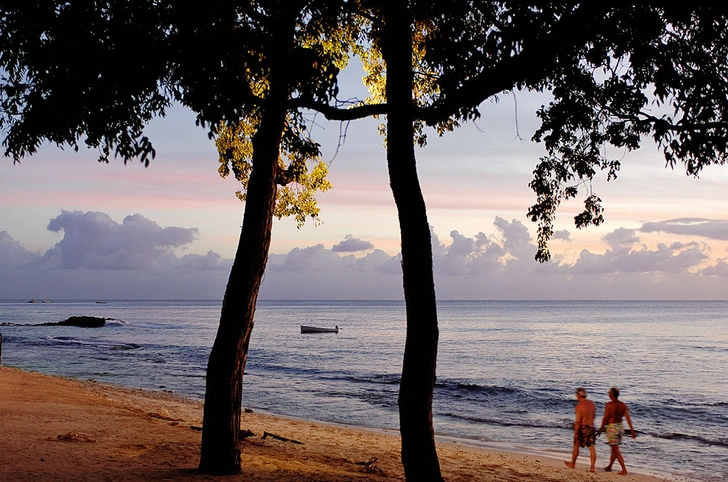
(68, 430)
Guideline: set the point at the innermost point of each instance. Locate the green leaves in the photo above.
(297, 196)
(298, 199)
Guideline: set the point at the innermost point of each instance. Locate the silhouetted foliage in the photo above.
(617, 73)
(97, 72)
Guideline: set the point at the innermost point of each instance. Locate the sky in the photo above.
(73, 228)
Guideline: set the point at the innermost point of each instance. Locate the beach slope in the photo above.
(67, 430)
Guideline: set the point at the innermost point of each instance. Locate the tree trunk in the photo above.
(221, 442)
(419, 456)
(220, 452)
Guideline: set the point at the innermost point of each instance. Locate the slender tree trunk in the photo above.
(419, 455)
(221, 443)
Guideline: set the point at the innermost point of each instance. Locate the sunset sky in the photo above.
(73, 228)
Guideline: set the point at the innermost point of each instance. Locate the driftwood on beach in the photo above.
(278, 437)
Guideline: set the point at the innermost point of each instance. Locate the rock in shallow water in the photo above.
(82, 321)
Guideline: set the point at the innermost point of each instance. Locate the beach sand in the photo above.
(67, 430)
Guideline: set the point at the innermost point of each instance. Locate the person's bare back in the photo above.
(586, 412)
(614, 411)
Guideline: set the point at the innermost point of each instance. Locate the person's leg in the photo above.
(621, 460)
(574, 455)
(612, 458)
(592, 457)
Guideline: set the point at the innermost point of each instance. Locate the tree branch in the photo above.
(570, 32)
(336, 113)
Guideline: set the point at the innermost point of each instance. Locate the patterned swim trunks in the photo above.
(614, 433)
(587, 436)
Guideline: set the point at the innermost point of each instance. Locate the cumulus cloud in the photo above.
(351, 244)
(13, 254)
(720, 269)
(101, 258)
(707, 228)
(380, 262)
(562, 235)
(627, 255)
(209, 261)
(312, 258)
(510, 248)
(94, 240)
(621, 238)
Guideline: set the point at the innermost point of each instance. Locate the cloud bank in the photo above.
(93, 240)
(706, 228)
(100, 258)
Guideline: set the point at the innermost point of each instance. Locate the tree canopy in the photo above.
(618, 74)
(95, 73)
(647, 72)
(104, 66)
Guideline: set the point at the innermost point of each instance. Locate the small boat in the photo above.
(101, 302)
(318, 329)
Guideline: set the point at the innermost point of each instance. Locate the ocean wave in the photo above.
(677, 403)
(70, 340)
(689, 412)
(720, 442)
(718, 349)
(505, 423)
(460, 388)
(475, 388)
(323, 374)
(115, 321)
(374, 398)
(377, 379)
(508, 398)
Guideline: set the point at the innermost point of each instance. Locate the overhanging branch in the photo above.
(336, 113)
(568, 34)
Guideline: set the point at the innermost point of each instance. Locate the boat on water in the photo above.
(40, 301)
(318, 329)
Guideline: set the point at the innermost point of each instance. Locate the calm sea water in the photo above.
(507, 370)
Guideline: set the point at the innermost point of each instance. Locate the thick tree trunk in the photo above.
(221, 443)
(419, 455)
(220, 451)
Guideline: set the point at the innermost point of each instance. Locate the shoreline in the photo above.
(557, 457)
(65, 429)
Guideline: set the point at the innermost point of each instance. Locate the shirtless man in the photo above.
(584, 433)
(613, 413)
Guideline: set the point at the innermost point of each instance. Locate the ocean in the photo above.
(506, 372)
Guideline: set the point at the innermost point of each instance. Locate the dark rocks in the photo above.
(82, 321)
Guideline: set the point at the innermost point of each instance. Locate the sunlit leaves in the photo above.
(320, 47)
(375, 78)
(300, 178)
(425, 82)
(235, 148)
(298, 199)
